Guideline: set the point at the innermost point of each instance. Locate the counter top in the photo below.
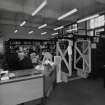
(27, 85)
(21, 75)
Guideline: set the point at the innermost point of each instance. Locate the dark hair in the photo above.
(16, 48)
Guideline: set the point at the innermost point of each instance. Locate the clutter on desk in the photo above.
(6, 75)
(47, 64)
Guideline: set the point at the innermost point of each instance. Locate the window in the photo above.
(72, 28)
(97, 32)
(90, 33)
(92, 25)
(97, 22)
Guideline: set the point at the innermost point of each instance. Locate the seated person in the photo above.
(18, 60)
(12, 61)
(24, 61)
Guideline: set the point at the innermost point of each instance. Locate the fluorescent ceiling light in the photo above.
(58, 28)
(15, 31)
(71, 30)
(88, 18)
(30, 32)
(42, 26)
(54, 34)
(23, 23)
(67, 14)
(40, 7)
(43, 33)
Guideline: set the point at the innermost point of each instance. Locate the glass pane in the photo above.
(97, 22)
(90, 33)
(92, 25)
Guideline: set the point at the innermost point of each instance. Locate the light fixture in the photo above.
(58, 28)
(88, 18)
(23, 23)
(67, 14)
(30, 32)
(42, 26)
(43, 33)
(40, 7)
(70, 30)
(54, 34)
(15, 31)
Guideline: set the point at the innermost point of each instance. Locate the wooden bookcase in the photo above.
(48, 45)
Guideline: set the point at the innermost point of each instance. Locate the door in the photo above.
(82, 57)
(64, 50)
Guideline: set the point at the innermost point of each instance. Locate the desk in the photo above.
(24, 89)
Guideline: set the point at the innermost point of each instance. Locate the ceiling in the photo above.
(13, 12)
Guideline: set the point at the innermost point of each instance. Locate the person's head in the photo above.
(21, 55)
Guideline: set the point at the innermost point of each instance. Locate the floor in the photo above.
(78, 92)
